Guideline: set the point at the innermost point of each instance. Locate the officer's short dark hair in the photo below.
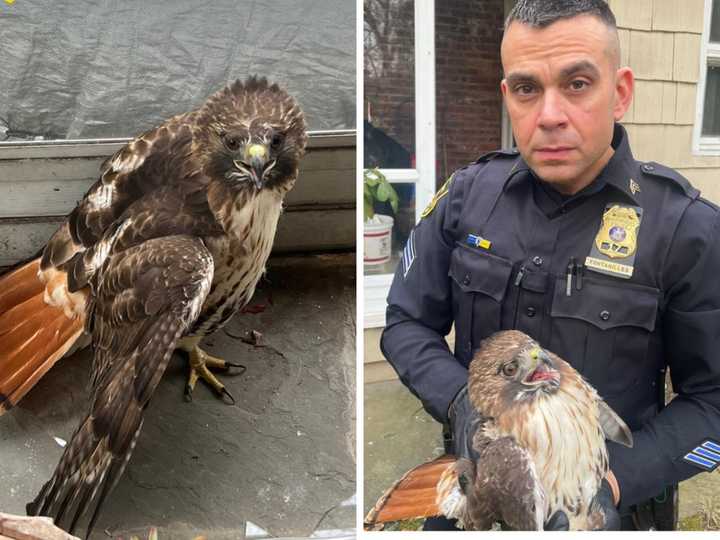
(541, 13)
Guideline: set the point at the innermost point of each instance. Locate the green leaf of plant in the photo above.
(394, 202)
(372, 177)
(369, 210)
(394, 199)
(371, 181)
(383, 192)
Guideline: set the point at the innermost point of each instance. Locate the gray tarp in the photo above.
(111, 68)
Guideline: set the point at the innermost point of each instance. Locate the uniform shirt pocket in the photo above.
(479, 271)
(604, 330)
(607, 306)
(480, 282)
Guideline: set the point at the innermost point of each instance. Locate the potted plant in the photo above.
(377, 232)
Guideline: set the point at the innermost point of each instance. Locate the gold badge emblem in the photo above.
(439, 195)
(617, 237)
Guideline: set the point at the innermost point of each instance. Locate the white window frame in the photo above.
(709, 56)
(423, 175)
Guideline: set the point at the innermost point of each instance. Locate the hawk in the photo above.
(540, 447)
(162, 250)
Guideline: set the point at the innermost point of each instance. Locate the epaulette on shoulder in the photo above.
(656, 169)
(506, 153)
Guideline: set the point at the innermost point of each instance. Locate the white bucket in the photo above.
(377, 238)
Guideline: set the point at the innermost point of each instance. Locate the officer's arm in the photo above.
(419, 312)
(674, 445)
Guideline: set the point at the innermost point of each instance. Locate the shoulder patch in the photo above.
(439, 195)
(507, 153)
(656, 169)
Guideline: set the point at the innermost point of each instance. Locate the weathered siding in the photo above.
(661, 42)
(39, 185)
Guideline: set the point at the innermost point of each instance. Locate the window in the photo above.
(399, 118)
(433, 103)
(707, 124)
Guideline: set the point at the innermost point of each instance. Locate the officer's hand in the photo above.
(464, 422)
(557, 522)
(603, 502)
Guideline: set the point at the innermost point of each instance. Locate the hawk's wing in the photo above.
(147, 297)
(42, 315)
(414, 496)
(505, 488)
(501, 486)
(153, 159)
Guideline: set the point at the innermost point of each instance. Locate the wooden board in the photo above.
(39, 185)
(306, 230)
(52, 186)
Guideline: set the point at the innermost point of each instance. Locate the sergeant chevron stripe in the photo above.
(409, 253)
(706, 456)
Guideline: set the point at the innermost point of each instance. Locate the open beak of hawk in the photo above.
(255, 163)
(539, 368)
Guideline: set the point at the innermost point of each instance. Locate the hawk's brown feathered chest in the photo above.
(567, 449)
(249, 221)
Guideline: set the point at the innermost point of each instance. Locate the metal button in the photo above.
(605, 315)
(466, 279)
(530, 311)
(537, 261)
(648, 167)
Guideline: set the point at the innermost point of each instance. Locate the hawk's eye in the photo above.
(277, 140)
(232, 142)
(509, 370)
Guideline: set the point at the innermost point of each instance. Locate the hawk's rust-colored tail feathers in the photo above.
(413, 496)
(33, 333)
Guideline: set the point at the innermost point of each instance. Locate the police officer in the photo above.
(610, 263)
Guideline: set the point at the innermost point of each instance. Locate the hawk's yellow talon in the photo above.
(200, 365)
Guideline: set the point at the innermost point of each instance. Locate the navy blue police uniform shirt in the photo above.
(494, 251)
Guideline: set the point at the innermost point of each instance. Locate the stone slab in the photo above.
(282, 457)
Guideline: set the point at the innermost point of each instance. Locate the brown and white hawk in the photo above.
(163, 249)
(540, 447)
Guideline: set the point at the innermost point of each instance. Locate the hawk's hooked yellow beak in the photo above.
(256, 151)
(255, 162)
(534, 356)
(538, 366)
(256, 155)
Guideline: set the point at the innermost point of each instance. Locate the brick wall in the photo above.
(468, 73)
(389, 79)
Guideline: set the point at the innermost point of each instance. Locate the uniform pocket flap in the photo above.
(477, 271)
(607, 306)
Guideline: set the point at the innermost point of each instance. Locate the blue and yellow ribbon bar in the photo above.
(478, 241)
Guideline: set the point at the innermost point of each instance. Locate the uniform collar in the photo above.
(619, 172)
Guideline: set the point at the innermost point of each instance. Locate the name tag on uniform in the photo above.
(615, 246)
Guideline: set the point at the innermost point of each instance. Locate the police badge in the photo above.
(616, 239)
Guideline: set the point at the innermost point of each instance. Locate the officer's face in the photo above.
(563, 91)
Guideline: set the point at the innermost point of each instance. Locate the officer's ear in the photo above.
(624, 87)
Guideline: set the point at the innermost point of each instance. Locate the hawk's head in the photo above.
(252, 135)
(510, 367)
